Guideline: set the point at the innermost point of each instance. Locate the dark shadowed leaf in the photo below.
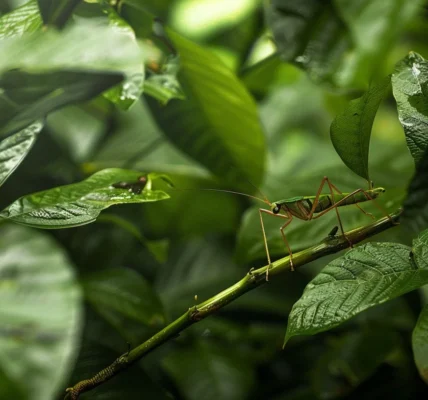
(125, 291)
(366, 276)
(350, 360)
(29, 96)
(410, 88)
(415, 213)
(57, 12)
(40, 318)
(338, 42)
(420, 343)
(218, 123)
(24, 19)
(210, 372)
(131, 385)
(81, 203)
(14, 149)
(350, 131)
(84, 49)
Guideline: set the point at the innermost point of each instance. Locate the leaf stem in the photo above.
(253, 279)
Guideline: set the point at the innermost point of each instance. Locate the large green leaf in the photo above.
(366, 276)
(218, 123)
(337, 41)
(57, 12)
(415, 213)
(410, 88)
(49, 58)
(210, 372)
(14, 149)
(24, 19)
(81, 203)
(40, 317)
(420, 343)
(124, 291)
(350, 131)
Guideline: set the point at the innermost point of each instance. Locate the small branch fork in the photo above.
(253, 279)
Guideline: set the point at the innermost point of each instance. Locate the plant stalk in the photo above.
(253, 279)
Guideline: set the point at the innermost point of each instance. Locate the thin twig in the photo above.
(253, 279)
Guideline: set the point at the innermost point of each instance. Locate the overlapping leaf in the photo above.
(81, 203)
(40, 316)
(364, 277)
(24, 19)
(57, 12)
(46, 70)
(350, 131)
(420, 343)
(410, 88)
(14, 149)
(338, 42)
(218, 123)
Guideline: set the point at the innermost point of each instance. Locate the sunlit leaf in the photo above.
(40, 318)
(338, 42)
(410, 88)
(124, 291)
(350, 131)
(24, 19)
(81, 203)
(366, 276)
(420, 343)
(218, 123)
(14, 149)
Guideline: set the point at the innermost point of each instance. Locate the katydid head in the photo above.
(275, 208)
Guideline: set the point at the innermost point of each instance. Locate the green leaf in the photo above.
(350, 131)
(83, 49)
(81, 203)
(57, 12)
(24, 19)
(27, 97)
(14, 149)
(130, 91)
(366, 276)
(415, 208)
(218, 123)
(124, 291)
(205, 365)
(420, 343)
(163, 85)
(40, 318)
(410, 88)
(338, 42)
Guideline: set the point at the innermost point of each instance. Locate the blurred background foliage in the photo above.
(141, 266)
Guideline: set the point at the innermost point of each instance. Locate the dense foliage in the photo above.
(114, 113)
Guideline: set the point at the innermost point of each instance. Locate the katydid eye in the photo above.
(276, 209)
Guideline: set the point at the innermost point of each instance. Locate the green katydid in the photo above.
(308, 208)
